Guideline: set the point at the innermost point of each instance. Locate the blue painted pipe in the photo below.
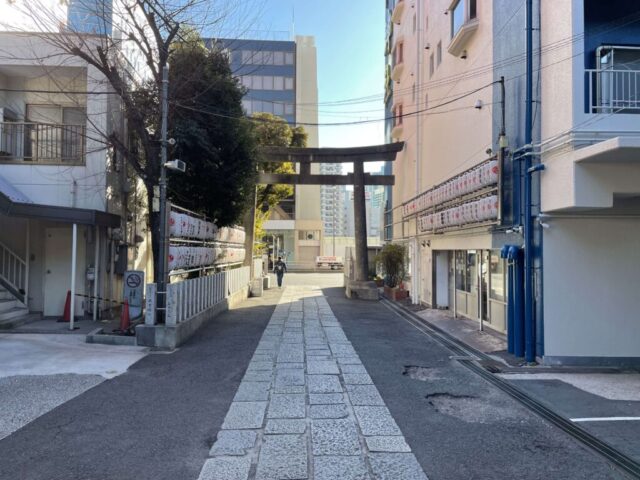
(510, 309)
(519, 304)
(529, 313)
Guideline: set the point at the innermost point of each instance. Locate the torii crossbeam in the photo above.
(305, 157)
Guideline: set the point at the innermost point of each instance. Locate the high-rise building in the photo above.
(281, 78)
(331, 202)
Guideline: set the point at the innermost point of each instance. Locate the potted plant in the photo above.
(392, 261)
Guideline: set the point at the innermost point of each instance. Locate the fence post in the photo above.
(150, 306)
(171, 305)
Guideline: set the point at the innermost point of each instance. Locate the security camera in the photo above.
(488, 151)
(177, 165)
(171, 141)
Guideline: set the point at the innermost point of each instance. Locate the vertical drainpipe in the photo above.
(529, 313)
(417, 262)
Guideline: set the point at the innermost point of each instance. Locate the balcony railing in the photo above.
(42, 143)
(613, 91)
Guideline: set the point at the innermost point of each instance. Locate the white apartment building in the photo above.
(65, 198)
(456, 202)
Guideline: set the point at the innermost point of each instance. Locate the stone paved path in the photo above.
(306, 407)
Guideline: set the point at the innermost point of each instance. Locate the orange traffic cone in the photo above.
(124, 316)
(66, 316)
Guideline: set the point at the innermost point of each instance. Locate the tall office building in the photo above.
(281, 78)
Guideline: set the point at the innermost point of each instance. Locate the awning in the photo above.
(15, 204)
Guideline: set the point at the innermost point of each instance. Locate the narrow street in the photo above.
(300, 383)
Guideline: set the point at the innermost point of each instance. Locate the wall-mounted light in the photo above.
(463, 55)
(427, 46)
(478, 104)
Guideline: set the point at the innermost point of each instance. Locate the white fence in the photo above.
(191, 297)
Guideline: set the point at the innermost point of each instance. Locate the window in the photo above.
(426, 100)
(498, 277)
(247, 57)
(288, 83)
(246, 81)
(309, 235)
(267, 83)
(399, 53)
(278, 83)
(431, 65)
(415, 23)
(246, 105)
(288, 109)
(257, 82)
(462, 12)
(278, 58)
(413, 94)
(278, 109)
(426, 23)
(439, 54)
(397, 114)
(288, 58)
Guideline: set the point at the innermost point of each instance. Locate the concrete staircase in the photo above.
(12, 312)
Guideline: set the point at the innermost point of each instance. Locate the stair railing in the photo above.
(13, 272)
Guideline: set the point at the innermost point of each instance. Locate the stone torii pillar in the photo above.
(360, 223)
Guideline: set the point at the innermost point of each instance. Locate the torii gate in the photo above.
(356, 155)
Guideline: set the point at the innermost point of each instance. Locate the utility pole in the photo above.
(162, 261)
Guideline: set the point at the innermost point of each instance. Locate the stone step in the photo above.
(5, 295)
(7, 304)
(13, 313)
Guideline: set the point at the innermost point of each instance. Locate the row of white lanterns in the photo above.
(482, 176)
(181, 257)
(468, 213)
(185, 226)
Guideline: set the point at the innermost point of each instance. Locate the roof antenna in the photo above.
(293, 23)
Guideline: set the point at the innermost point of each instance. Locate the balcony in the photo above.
(42, 143)
(396, 16)
(398, 70)
(613, 91)
(462, 37)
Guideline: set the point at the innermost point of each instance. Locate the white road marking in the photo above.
(605, 419)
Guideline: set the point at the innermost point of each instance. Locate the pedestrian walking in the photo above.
(280, 268)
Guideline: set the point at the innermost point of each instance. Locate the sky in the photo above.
(350, 40)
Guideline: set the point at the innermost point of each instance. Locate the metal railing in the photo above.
(189, 298)
(13, 271)
(613, 91)
(42, 142)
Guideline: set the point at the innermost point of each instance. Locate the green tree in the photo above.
(273, 131)
(220, 151)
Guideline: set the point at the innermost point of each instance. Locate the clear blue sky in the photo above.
(350, 39)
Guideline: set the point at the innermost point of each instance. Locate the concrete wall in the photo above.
(591, 277)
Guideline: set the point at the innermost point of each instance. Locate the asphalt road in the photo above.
(459, 426)
(157, 421)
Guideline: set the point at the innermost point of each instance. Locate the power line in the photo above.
(338, 124)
